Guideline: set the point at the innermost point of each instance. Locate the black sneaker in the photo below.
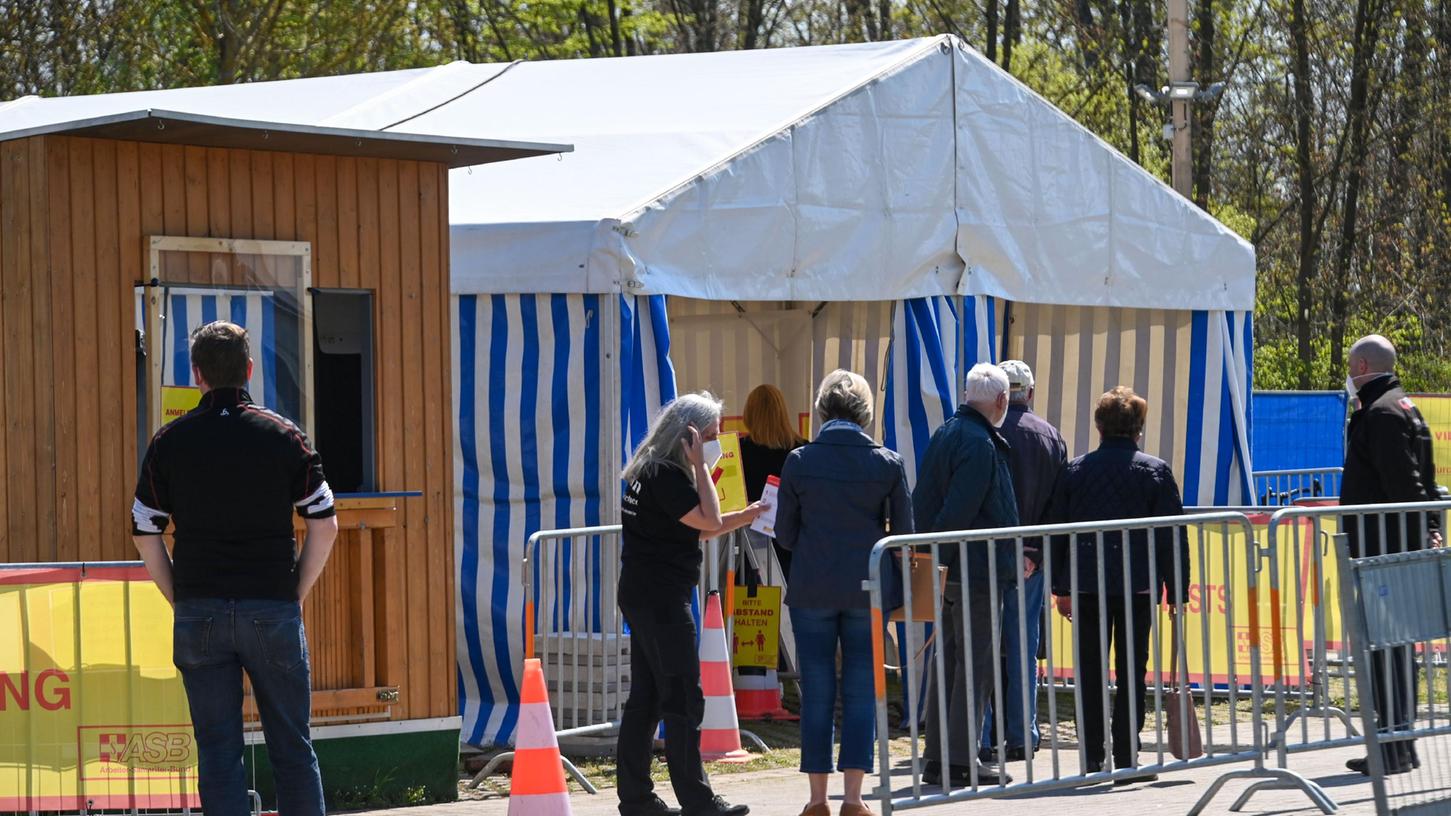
(718, 807)
(1361, 765)
(654, 807)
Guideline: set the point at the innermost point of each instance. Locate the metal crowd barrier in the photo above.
(1278, 488)
(1399, 614)
(1317, 688)
(1231, 660)
(572, 623)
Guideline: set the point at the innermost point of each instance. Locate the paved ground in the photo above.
(780, 792)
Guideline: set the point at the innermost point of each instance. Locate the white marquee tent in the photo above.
(905, 209)
(766, 216)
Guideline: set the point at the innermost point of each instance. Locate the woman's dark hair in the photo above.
(1121, 413)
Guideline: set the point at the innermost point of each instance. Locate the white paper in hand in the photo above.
(765, 524)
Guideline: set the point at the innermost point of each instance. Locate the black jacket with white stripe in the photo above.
(229, 474)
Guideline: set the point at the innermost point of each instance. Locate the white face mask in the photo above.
(712, 452)
(1350, 388)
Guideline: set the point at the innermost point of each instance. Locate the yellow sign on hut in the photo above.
(177, 400)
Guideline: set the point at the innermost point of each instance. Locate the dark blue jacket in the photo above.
(1118, 481)
(964, 483)
(1036, 456)
(836, 498)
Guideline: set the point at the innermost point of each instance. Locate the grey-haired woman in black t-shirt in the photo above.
(669, 506)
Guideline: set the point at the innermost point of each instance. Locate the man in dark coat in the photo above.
(1036, 456)
(1388, 459)
(964, 483)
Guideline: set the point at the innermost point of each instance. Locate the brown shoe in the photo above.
(818, 809)
(856, 810)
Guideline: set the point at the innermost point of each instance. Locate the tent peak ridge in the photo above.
(928, 44)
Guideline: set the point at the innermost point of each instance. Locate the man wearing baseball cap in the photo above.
(1036, 458)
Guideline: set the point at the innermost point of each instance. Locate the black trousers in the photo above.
(1393, 684)
(1127, 722)
(664, 685)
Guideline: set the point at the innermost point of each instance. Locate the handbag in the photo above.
(920, 577)
(1186, 741)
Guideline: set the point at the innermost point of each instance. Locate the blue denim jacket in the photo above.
(836, 497)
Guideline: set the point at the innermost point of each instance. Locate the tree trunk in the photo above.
(617, 46)
(228, 42)
(1012, 33)
(1131, 72)
(1203, 121)
(1305, 172)
(992, 30)
(1367, 18)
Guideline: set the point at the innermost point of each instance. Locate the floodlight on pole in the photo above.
(1183, 91)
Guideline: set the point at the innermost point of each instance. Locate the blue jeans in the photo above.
(1013, 679)
(213, 642)
(818, 632)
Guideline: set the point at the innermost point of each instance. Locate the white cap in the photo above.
(1020, 377)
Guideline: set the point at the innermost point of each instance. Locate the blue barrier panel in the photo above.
(1298, 429)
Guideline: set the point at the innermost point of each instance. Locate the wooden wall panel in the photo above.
(19, 354)
(43, 333)
(75, 214)
(63, 357)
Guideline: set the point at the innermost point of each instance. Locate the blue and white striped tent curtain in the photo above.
(1193, 367)
(273, 382)
(935, 341)
(532, 427)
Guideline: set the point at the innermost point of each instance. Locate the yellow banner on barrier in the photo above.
(1223, 619)
(93, 715)
(1436, 410)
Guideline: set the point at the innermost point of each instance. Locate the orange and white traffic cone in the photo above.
(720, 732)
(758, 697)
(536, 786)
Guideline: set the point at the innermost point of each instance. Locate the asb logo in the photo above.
(124, 750)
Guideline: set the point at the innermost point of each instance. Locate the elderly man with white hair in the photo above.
(964, 483)
(1388, 459)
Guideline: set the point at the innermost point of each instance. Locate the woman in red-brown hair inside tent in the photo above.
(770, 435)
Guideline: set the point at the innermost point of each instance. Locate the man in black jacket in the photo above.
(1388, 459)
(963, 483)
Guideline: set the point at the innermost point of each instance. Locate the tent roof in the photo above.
(851, 172)
(855, 172)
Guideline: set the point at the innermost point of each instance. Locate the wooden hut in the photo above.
(120, 232)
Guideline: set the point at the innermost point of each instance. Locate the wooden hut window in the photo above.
(344, 384)
(260, 285)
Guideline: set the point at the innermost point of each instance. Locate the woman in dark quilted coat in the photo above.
(1117, 481)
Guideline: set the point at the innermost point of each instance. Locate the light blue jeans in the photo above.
(818, 633)
(1013, 678)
